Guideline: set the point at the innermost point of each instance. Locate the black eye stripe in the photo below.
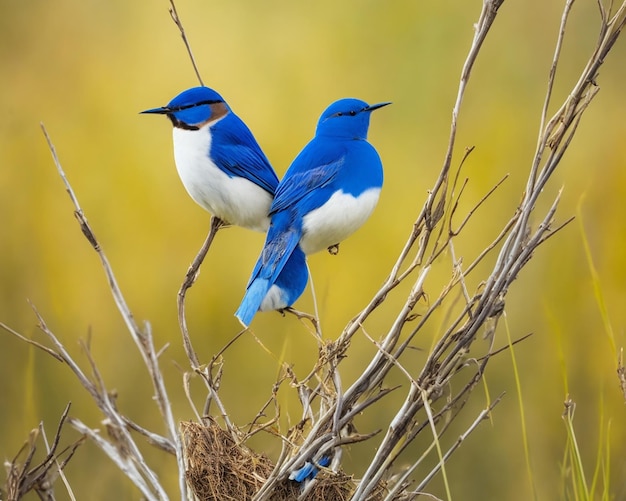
(187, 106)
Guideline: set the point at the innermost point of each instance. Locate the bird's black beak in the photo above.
(373, 107)
(163, 110)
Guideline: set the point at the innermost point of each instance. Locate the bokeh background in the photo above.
(87, 68)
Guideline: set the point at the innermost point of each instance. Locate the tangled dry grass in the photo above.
(221, 469)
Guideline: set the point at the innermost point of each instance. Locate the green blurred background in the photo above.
(87, 68)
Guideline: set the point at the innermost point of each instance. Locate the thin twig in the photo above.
(190, 278)
(50, 352)
(479, 419)
(179, 25)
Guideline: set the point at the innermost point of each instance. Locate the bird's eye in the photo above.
(352, 113)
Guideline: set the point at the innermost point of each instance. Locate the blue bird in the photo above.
(225, 171)
(309, 471)
(218, 159)
(328, 192)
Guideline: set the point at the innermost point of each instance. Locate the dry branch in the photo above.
(23, 478)
(516, 244)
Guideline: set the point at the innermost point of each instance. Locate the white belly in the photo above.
(233, 199)
(336, 220)
(273, 300)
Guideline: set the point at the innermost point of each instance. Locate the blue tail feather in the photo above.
(281, 263)
(252, 300)
(291, 281)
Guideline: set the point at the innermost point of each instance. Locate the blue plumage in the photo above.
(328, 192)
(309, 471)
(225, 171)
(218, 159)
(235, 151)
(276, 286)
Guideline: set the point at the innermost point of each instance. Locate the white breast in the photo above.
(337, 219)
(235, 200)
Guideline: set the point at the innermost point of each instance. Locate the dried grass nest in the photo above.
(220, 469)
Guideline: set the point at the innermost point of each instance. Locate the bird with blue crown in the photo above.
(328, 192)
(224, 170)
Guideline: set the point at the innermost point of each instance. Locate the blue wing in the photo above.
(323, 167)
(309, 181)
(235, 150)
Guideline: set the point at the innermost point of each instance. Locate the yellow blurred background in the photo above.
(87, 68)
